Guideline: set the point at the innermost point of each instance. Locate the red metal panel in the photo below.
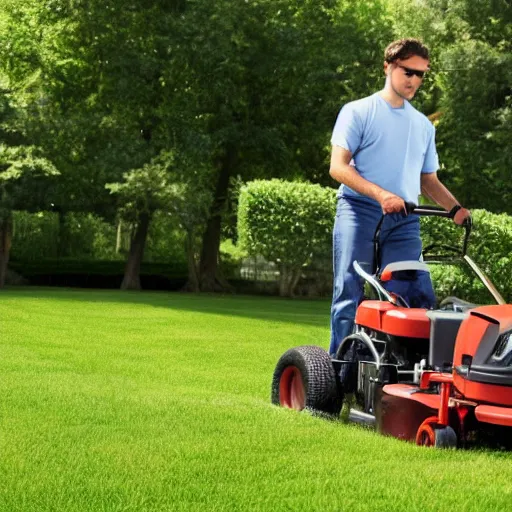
(473, 328)
(502, 314)
(399, 411)
(385, 317)
(470, 334)
(480, 392)
(369, 313)
(408, 322)
(495, 415)
(411, 393)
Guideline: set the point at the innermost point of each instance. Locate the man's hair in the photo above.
(403, 49)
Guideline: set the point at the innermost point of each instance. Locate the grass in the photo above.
(115, 401)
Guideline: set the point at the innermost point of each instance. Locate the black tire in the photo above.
(445, 437)
(431, 434)
(308, 370)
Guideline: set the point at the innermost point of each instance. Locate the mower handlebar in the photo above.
(437, 211)
(429, 210)
(423, 210)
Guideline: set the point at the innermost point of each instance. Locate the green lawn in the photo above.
(114, 401)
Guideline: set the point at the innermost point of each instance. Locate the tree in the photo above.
(24, 185)
(140, 194)
(167, 184)
(277, 72)
(477, 104)
(95, 88)
(250, 89)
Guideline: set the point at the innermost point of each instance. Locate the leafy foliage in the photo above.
(289, 223)
(490, 247)
(147, 189)
(101, 89)
(38, 235)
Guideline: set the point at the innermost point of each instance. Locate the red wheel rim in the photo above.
(426, 435)
(292, 393)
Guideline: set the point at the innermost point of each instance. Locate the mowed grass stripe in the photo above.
(151, 401)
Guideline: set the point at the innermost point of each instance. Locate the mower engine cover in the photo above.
(483, 355)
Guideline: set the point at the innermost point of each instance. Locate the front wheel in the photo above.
(430, 433)
(304, 378)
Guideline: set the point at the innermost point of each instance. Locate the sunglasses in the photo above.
(412, 72)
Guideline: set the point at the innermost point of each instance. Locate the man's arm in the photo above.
(343, 172)
(432, 188)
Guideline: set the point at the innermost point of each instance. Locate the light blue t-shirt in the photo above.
(390, 147)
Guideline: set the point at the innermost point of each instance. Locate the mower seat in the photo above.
(410, 280)
(444, 327)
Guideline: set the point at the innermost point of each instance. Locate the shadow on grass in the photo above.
(297, 311)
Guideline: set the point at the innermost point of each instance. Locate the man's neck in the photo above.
(391, 97)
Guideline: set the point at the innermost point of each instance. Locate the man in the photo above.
(383, 154)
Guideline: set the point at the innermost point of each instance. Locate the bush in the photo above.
(35, 235)
(288, 223)
(76, 235)
(98, 274)
(490, 246)
(84, 236)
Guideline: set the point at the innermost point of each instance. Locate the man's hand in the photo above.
(390, 203)
(461, 215)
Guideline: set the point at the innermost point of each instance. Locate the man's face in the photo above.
(404, 75)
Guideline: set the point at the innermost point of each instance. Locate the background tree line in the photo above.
(124, 109)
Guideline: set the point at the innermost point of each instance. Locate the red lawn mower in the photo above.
(439, 377)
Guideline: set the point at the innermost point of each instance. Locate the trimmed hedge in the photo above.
(490, 246)
(83, 236)
(79, 235)
(98, 274)
(290, 224)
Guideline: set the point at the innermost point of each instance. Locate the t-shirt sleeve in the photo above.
(348, 129)
(431, 162)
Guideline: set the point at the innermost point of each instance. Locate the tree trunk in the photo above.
(288, 280)
(192, 284)
(119, 235)
(5, 245)
(124, 235)
(283, 281)
(131, 280)
(209, 281)
(295, 281)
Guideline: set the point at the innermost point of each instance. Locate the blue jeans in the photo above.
(354, 229)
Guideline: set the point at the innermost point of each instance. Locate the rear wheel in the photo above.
(430, 433)
(304, 378)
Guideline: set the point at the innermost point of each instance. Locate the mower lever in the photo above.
(381, 291)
